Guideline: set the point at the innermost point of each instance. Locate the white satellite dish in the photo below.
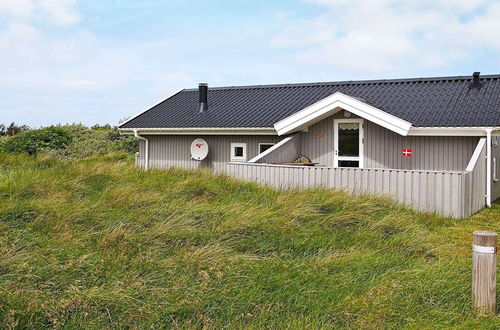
(199, 149)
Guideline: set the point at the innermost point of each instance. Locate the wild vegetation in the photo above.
(12, 129)
(68, 141)
(97, 243)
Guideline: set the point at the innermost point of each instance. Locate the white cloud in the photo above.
(60, 12)
(31, 60)
(52, 12)
(387, 35)
(16, 8)
(55, 70)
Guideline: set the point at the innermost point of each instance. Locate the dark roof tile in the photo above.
(425, 102)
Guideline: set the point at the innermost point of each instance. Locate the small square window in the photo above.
(238, 152)
(264, 146)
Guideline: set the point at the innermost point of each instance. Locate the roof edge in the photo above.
(140, 113)
(201, 131)
(453, 131)
(352, 82)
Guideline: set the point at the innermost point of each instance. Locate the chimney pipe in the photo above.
(476, 82)
(203, 91)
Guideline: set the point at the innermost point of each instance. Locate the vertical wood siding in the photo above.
(495, 153)
(317, 142)
(140, 158)
(382, 148)
(433, 153)
(286, 153)
(475, 186)
(428, 191)
(174, 150)
(453, 193)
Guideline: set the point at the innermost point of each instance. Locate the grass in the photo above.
(97, 243)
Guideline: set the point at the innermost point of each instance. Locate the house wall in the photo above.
(174, 150)
(475, 185)
(286, 153)
(495, 153)
(382, 148)
(456, 194)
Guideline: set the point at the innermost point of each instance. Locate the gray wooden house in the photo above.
(430, 143)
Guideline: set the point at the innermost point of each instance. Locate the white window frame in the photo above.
(235, 158)
(264, 143)
(336, 157)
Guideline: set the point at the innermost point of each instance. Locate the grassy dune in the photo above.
(97, 243)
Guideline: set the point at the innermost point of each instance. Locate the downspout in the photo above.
(146, 160)
(488, 167)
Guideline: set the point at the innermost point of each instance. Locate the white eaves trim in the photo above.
(201, 131)
(140, 113)
(452, 131)
(331, 104)
(274, 147)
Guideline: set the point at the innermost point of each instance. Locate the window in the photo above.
(238, 152)
(264, 146)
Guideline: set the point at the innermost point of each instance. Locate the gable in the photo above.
(333, 104)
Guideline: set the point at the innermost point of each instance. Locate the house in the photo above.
(431, 143)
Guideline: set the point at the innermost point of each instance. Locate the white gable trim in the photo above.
(332, 104)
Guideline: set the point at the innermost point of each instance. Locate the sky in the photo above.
(100, 61)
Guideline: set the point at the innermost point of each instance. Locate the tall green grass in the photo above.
(97, 243)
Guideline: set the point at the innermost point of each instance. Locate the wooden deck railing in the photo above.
(454, 194)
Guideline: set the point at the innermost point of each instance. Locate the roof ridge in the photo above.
(352, 82)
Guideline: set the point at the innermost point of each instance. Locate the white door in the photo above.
(348, 142)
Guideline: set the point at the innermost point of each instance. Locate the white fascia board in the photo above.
(274, 147)
(140, 113)
(452, 131)
(332, 104)
(201, 131)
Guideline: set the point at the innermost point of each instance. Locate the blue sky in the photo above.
(95, 61)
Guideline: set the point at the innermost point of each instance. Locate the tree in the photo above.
(12, 129)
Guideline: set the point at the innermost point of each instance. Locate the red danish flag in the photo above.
(407, 152)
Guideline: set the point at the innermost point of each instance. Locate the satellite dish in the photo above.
(199, 149)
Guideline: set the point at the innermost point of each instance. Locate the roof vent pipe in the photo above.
(476, 82)
(203, 91)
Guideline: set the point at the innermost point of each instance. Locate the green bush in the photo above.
(3, 139)
(36, 141)
(70, 141)
(95, 141)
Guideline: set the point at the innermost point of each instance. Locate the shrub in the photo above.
(96, 141)
(12, 129)
(36, 141)
(70, 141)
